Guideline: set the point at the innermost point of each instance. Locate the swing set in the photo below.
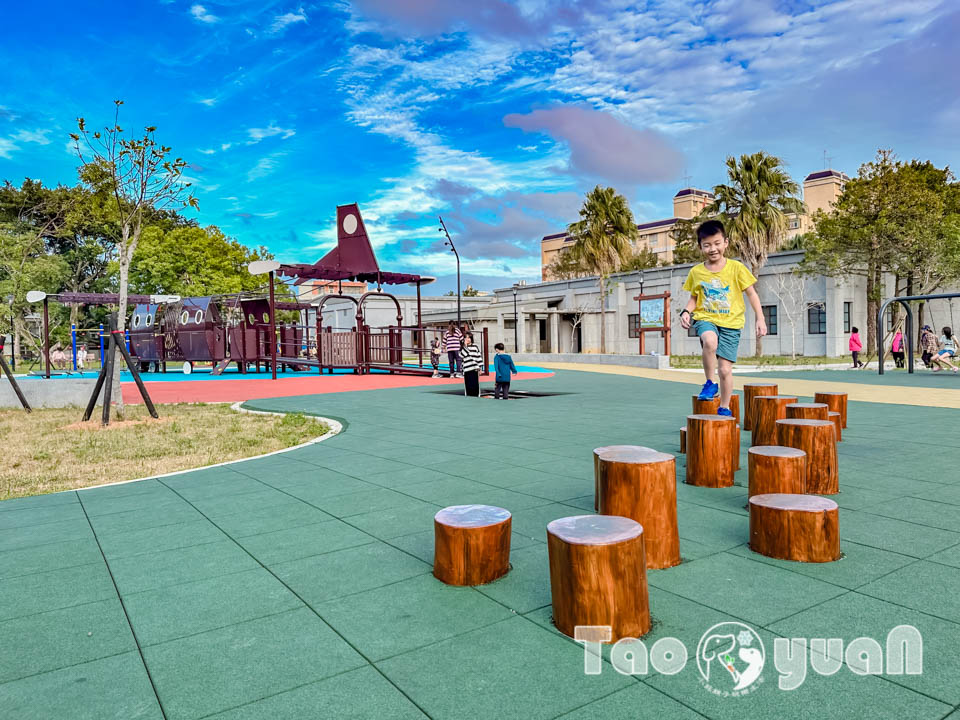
(905, 301)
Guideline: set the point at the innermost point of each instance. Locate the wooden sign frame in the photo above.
(663, 329)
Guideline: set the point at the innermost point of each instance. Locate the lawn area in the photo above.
(58, 452)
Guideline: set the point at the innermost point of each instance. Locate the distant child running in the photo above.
(855, 347)
(948, 349)
(472, 362)
(717, 312)
(435, 348)
(503, 365)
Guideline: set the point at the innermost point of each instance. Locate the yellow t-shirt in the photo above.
(720, 294)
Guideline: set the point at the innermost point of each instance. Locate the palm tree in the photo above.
(602, 240)
(754, 207)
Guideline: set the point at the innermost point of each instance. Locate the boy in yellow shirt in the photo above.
(717, 311)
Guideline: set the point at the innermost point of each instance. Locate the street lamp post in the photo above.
(449, 241)
(516, 321)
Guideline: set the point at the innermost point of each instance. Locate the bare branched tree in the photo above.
(142, 177)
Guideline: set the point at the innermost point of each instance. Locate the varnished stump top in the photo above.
(842, 394)
(471, 516)
(803, 421)
(609, 448)
(808, 406)
(746, 385)
(711, 418)
(776, 451)
(803, 503)
(632, 454)
(594, 529)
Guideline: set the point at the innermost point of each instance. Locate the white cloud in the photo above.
(281, 22)
(7, 148)
(200, 13)
(258, 134)
(34, 136)
(209, 102)
(226, 146)
(207, 151)
(265, 166)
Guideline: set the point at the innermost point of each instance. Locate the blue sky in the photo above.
(498, 115)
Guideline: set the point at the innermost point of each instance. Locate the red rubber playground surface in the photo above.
(235, 390)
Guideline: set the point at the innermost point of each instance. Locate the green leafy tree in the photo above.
(754, 206)
(602, 240)
(565, 266)
(640, 259)
(192, 261)
(893, 218)
(142, 177)
(686, 249)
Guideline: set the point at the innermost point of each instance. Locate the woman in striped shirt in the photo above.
(472, 362)
(452, 342)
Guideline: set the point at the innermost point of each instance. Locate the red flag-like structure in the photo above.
(352, 259)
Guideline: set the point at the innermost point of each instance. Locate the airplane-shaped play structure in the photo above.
(238, 328)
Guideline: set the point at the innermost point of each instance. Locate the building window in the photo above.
(633, 324)
(847, 311)
(817, 318)
(794, 223)
(770, 318)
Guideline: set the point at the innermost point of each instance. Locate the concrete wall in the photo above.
(41, 393)
(653, 362)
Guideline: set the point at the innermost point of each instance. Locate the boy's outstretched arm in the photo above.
(751, 293)
(686, 318)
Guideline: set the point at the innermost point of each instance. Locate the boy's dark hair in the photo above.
(948, 332)
(499, 346)
(709, 229)
(855, 329)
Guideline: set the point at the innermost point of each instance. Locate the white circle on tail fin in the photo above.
(349, 223)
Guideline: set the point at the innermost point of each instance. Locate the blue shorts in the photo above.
(947, 352)
(728, 339)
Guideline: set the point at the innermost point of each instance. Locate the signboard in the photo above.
(651, 313)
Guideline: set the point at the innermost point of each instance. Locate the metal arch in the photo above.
(324, 299)
(363, 298)
(905, 301)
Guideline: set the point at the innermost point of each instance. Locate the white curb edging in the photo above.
(335, 429)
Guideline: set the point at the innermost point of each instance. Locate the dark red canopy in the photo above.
(351, 259)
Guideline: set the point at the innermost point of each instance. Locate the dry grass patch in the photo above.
(50, 450)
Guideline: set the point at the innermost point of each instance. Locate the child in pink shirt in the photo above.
(855, 347)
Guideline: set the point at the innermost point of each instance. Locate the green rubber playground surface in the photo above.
(921, 377)
(300, 585)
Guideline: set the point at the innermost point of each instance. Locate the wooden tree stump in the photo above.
(804, 528)
(641, 484)
(736, 448)
(598, 574)
(807, 411)
(776, 469)
(471, 544)
(596, 470)
(750, 391)
(683, 439)
(817, 438)
(710, 450)
(837, 421)
(837, 402)
(705, 407)
(767, 409)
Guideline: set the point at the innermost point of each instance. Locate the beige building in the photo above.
(820, 191)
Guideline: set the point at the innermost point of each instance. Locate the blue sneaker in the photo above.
(725, 412)
(709, 391)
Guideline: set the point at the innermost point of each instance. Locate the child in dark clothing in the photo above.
(503, 365)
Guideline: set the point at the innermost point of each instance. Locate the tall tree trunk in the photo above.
(603, 313)
(755, 269)
(871, 308)
(126, 252)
